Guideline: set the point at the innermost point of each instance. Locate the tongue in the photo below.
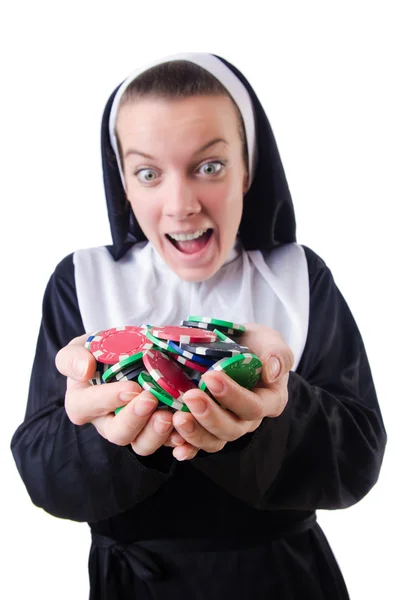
(192, 246)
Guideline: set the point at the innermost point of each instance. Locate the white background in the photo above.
(325, 73)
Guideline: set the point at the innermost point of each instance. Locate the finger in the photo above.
(275, 396)
(75, 361)
(174, 439)
(269, 345)
(250, 405)
(87, 402)
(277, 361)
(199, 435)
(209, 426)
(154, 434)
(185, 452)
(243, 403)
(125, 427)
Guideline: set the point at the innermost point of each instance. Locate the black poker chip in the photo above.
(215, 349)
(97, 379)
(128, 375)
(212, 327)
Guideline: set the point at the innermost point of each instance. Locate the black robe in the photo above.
(236, 524)
(323, 452)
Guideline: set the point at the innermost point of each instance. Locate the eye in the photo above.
(211, 165)
(148, 175)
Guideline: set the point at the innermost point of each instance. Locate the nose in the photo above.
(180, 199)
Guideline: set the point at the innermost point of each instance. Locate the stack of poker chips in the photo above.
(168, 361)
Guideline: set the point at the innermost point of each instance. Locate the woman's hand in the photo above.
(138, 424)
(209, 426)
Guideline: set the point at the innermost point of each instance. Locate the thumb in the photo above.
(75, 362)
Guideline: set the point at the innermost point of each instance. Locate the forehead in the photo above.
(196, 115)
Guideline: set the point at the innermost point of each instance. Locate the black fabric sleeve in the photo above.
(71, 471)
(325, 450)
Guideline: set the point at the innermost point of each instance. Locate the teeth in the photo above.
(183, 237)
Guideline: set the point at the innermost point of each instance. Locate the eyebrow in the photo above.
(205, 147)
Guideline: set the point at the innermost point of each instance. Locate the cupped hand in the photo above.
(210, 426)
(138, 424)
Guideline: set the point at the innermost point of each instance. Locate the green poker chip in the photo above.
(120, 366)
(149, 384)
(244, 368)
(163, 344)
(227, 324)
(223, 337)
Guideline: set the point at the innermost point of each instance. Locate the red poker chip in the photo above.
(167, 373)
(184, 335)
(114, 345)
(189, 363)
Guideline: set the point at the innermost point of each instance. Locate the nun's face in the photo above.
(185, 178)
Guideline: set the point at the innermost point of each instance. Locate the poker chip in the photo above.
(97, 379)
(170, 360)
(101, 368)
(90, 338)
(210, 327)
(183, 334)
(215, 349)
(114, 345)
(195, 376)
(245, 369)
(167, 373)
(88, 341)
(191, 356)
(189, 363)
(212, 321)
(149, 384)
(130, 375)
(223, 337)
(123, 365)
(163, 344)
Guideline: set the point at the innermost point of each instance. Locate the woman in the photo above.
(213, 503)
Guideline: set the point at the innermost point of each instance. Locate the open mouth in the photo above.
(192, 246)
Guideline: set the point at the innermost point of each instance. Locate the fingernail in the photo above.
(79, 367)
(127, 396)
(184, 456)
(273, 368)
(161, 426)
(177, 440)
(144, 407)
(187, 426)
(216, 386)
(196, 405)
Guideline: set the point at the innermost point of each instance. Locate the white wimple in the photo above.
(218, 69)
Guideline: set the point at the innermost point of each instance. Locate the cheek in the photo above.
(141, 206)
(146, 214)
(221, 199)
(227, 208)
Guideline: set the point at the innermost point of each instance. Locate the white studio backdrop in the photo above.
(325, 73)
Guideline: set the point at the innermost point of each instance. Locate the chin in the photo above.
(195, 275)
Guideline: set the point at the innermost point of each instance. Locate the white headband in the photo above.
(217, 68)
